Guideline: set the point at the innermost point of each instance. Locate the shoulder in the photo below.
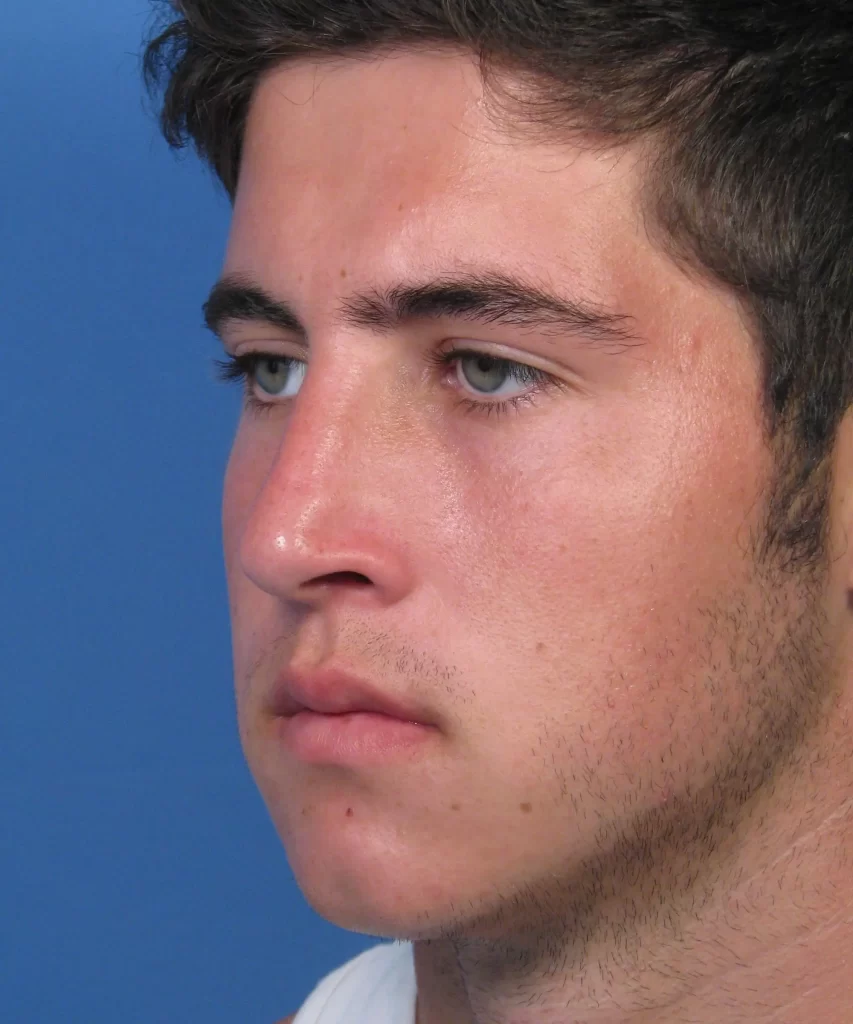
(369, 965)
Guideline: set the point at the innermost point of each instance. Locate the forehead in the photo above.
(394, 166)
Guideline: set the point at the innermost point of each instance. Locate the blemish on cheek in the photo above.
(454, 807)
(540, 647)
(400, 208)
(349, 812)
(527, 808)
(343, 272)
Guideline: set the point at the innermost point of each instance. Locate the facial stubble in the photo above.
(652, 873)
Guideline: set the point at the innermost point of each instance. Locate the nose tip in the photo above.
(308, 551)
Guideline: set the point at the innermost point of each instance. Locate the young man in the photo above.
(536, 521)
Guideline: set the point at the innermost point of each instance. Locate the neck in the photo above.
(764, 937)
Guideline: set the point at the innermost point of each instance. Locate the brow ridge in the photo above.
(491, 298)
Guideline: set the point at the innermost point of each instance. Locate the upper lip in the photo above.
(336, 692)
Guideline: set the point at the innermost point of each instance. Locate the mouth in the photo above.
(333, 692)
(332, 716)
(351, 738)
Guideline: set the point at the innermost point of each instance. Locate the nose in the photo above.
(333, 513)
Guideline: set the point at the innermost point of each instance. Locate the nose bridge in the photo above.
(329, 502)
(339, 441)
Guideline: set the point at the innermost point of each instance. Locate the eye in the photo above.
(261, 374)
(489, 375)
(489, 384)
(277, 376)
(493, 385)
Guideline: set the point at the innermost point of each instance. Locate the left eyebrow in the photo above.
(488, 298)
(235, 299)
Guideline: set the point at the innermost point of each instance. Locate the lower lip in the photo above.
(359, 736)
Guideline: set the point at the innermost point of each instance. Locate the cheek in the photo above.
(252, 456)
(582, 519)
(623, 502)
(235, 492)
(244, 476)
(604, 575)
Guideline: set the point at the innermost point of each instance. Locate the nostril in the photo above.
(355, 578)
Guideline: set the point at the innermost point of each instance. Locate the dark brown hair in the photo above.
(748, 104)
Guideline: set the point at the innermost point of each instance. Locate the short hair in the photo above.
(749, 107)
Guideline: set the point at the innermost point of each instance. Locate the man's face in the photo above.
(566, 582)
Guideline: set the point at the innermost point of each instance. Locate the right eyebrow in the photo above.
(487, 298)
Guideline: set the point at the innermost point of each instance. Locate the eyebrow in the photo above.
(485, 298)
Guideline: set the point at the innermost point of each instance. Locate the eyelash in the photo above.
(241, 370)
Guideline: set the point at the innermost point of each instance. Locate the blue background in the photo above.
(141, 877)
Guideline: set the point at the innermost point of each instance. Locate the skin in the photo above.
(636, 804)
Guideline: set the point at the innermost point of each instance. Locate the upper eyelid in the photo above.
(436, 357)
(462, 348)
(232, 344)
